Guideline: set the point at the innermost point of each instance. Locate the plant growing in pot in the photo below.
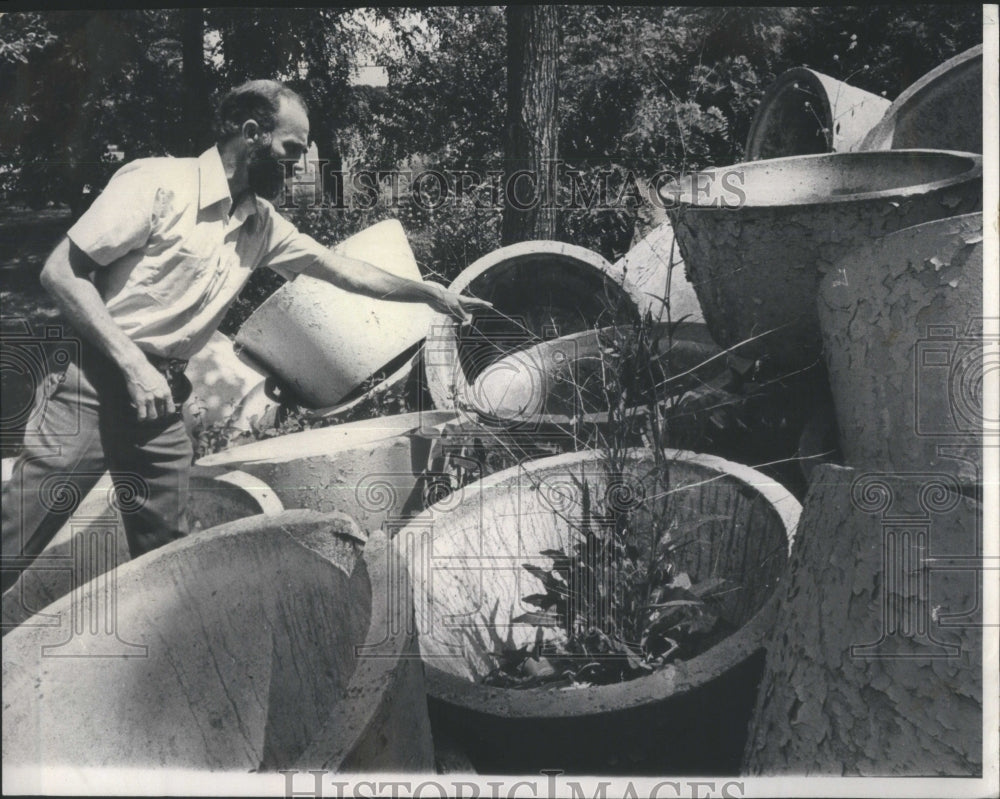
(622, 523)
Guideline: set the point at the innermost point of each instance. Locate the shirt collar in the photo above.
(214, 187)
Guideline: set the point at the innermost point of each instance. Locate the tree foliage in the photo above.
(641, 89)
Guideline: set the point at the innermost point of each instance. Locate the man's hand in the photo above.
(454, 304)
(148, 388)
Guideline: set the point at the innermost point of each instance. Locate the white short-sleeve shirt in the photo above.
(172, 258)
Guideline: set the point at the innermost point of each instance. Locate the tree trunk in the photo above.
(197, 115)
(531, 148)
(875, 663)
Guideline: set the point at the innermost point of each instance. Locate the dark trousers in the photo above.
(83, 425)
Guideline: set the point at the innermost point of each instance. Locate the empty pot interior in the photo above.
(794, 123)
(328, 440)
(537, 297)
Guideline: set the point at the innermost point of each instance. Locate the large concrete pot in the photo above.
(243, 648)
(758, 237)
(805, 112)
(92, 542)
(902, 331)
(875, 667)
(466, 555)
(568, 376)
(540, 290)
(323, 342)
(369, 469)
(942, 110)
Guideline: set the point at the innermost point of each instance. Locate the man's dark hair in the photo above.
(256, 99)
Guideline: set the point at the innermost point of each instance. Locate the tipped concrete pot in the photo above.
(369, 470)
(322, 342)
(902, 332)
(219, 380)
(256, 409)
(466, 555)
(942, 110)
(239, 649)
(653, 274)
(758, 237)
(567, 376)
(805, 112)
(540, 290)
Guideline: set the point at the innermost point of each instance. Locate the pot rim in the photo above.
(390, 429)
(885, 128)
(442, 378)
(681, 201)
(669, 681)
(815, 79)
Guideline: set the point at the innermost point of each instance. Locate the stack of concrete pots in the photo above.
(284, 633)
(876, 664)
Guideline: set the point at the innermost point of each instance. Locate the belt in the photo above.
(173, 370)
(165, 365)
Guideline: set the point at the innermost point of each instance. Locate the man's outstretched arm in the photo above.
(64, 278)
(362, 277)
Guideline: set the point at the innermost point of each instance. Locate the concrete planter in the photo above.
(92, 542)
(219, 380)
(902, 334)
(567, 376)
(876, 665)
(466, 555)
(540, 290)
(322, 342)
(653, 271)
(942, 110)
(369, 469)
(231, 650)
(758, 237)
(805, 112)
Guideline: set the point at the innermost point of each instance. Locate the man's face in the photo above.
(288, 140)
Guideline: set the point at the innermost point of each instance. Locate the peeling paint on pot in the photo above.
(323, 342)
(540, 290)
(466, 555)
(758, 236)
(805, 112)
(236, 649)
(902, 330)
(875, 664)
(942, 110)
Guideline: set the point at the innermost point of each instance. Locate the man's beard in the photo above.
(265, 174)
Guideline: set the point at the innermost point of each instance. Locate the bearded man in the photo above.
(145, 277)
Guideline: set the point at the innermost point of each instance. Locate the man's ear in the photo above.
(251, 130)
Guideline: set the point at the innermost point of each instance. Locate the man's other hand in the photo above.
(456, 305)
(148, 389)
